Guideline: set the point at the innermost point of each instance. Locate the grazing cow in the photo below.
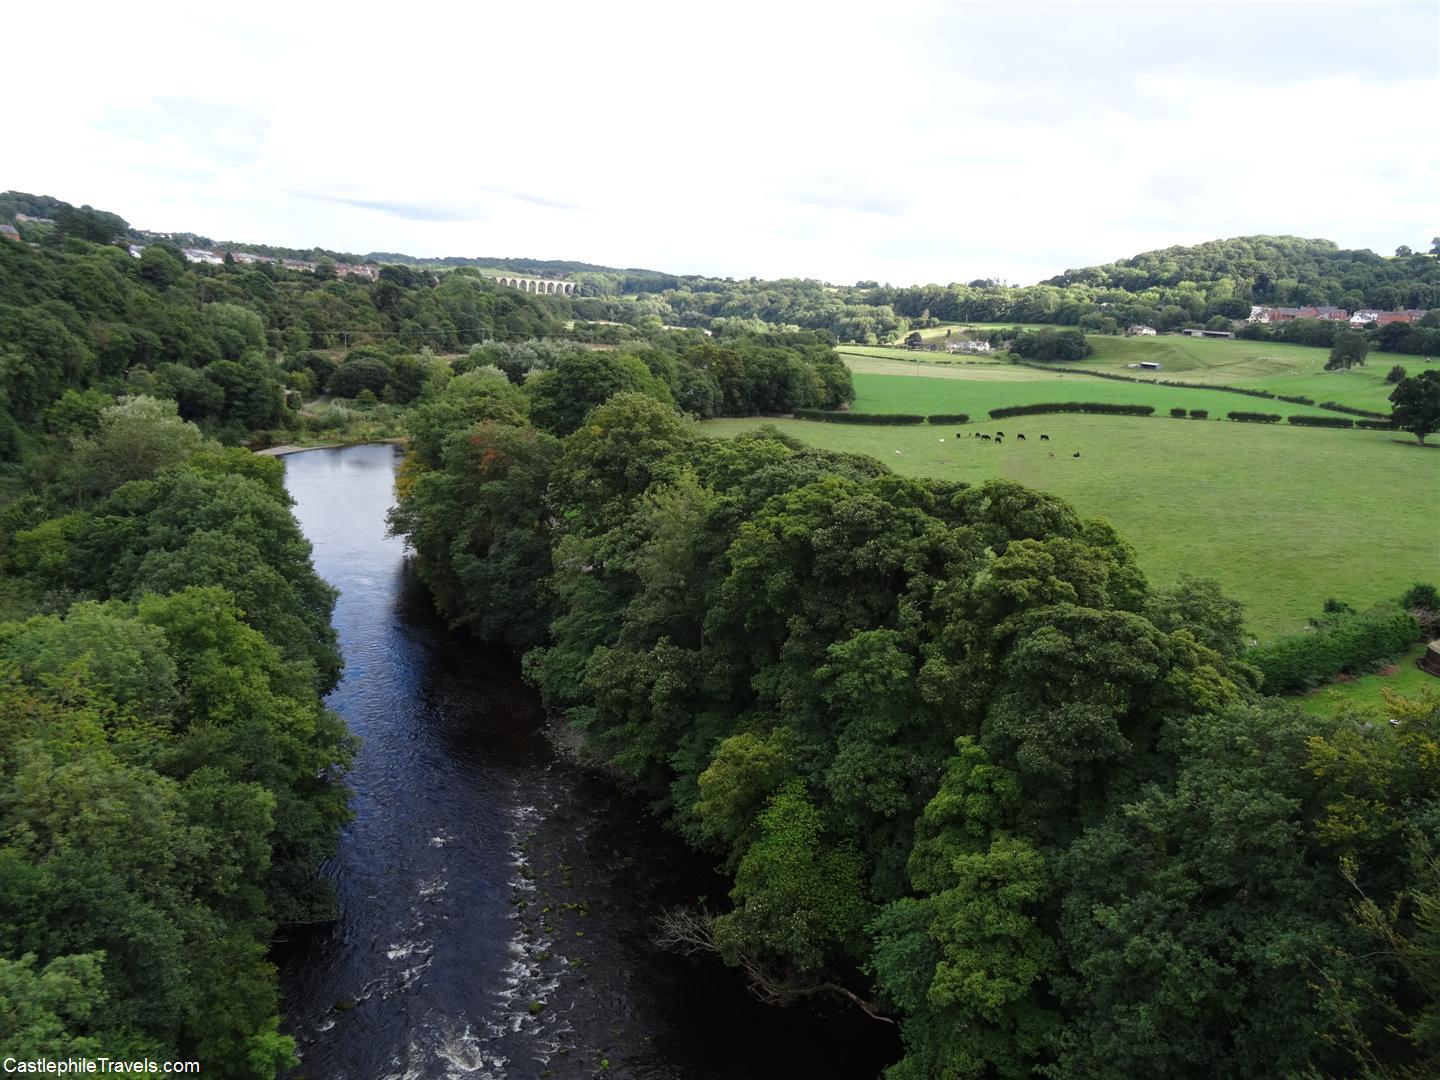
(1052, 453)
(1076, 454)
(942, 440)
(985, 437)
(1020, 437)
(898, 454)
(999, 434)
(959, 434)
(1044, 438)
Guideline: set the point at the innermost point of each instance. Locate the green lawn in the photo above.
(897, 386)
(1283, 517)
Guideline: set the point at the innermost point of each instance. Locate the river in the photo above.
(496, 901)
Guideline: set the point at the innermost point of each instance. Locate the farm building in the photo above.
(1150, 365)
(1208, 333)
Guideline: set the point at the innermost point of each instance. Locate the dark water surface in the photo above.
(482, 874)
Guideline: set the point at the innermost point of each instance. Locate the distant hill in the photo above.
(1266, 269)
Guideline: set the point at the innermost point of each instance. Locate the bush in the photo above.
(949, 418)
(1199, 414)
(1178, 413)
(1295, 399)
(858, 418)
(1349, 642)
(1102, 407)
(1254, 417)
(1376, 425)
(1335, 406)
(1322, 421)
(1422, 596)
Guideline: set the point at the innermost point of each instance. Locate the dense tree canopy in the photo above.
(169, 780)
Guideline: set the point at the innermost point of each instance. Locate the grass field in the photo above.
(1259, 365)
(1283, 517)
(1407, 680)
(899, 386)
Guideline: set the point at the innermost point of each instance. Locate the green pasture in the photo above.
(1284, 517)
(1261, 365)
(937, 333)
(1297, 370)
(883, 386)
(1406, 679)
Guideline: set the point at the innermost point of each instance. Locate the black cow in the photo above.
(1020, 437)
(1076, 454)
(1044, 438)
(999, 434)
(985, 437)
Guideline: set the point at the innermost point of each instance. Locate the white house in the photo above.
(1140, 331)
(1360, 318)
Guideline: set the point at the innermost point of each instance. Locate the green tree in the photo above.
(1415, 405)
(561, 396)
(1349, 350)
(1395, 374)
(138, 437)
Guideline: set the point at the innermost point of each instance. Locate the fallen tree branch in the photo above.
(689, 931)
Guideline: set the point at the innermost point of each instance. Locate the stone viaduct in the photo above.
(537, 285)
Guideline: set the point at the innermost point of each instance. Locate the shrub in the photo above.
(1295, 399)
(1254, 417)
(1178, 413)
(1199, 414)
(1322, 421)
(949, 418)
(1072, 407)
(858, 418)
(1421, 595)
(1348, 642)
(1376, 425)
(1335, 406)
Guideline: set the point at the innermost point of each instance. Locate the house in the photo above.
(9, 232)
(1140, 331)
(1325, 312)
(967, 346)
(1259, 313)
(35, 220)
(1368, 315)
(1409, 315)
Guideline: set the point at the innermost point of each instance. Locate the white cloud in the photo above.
(908, 142)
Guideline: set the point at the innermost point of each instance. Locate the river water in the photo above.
(497, 902)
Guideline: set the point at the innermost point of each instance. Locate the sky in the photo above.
(902, 142)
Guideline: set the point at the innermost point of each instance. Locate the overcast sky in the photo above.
(905, 142)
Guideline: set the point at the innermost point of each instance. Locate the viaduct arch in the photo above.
(537, 285)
